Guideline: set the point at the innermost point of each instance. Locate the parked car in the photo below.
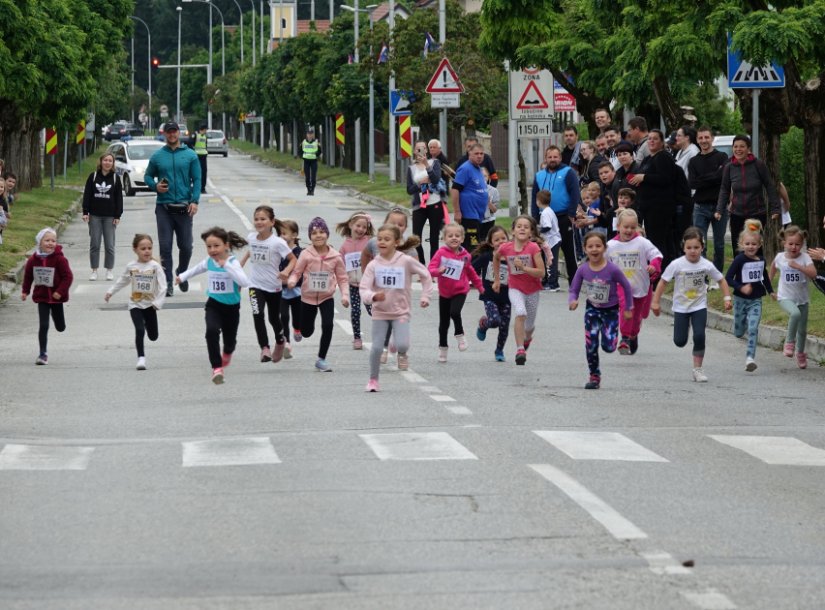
(216, 143)
(186, 136)
(725, 144)
(120, 130)
(131, 159)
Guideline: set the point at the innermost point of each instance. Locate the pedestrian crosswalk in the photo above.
(422, 446)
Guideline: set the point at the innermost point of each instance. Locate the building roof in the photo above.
(322, 25)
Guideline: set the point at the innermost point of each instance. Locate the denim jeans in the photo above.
(179, 225)
(702, 219)
(101, 226)
(747, 313)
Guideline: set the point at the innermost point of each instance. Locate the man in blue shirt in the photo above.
(469, 196)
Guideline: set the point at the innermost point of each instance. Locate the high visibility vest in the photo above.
(310, 149)
(200, 144)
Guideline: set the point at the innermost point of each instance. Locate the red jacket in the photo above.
(61, 282)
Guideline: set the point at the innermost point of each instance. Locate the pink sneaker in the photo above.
(357, 344)
(802, 360)
(226, 360)
(789, 349)
(217, 376)
(372, 385)
(278, 352)
(266, 356)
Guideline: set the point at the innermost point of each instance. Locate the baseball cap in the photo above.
(171, 126)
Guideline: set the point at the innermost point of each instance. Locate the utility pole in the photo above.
(442, 37)
(393, 135)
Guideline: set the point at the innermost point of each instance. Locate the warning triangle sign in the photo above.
(445, 79)
(532, 99)
(750, 74)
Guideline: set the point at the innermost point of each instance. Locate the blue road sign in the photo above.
(401, 102)
(744, 75)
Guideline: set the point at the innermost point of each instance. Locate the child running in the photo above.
(225, 277)
(452, 265)
(496, 304)
(386, 286)
(267, 250)
(321, 267)
(640, 261)
(290, 297)
(748, 275)
(48, 271)
(690, 296)
(601, 280)
(795, 268)
(525, 270)
(357, 231)
(549, 231)
(148, 284)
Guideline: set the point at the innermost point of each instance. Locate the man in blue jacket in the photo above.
(174, 172)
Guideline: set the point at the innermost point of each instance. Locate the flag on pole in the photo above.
(384, 55)
(429, 43)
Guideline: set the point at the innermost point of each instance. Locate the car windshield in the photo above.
(142, 152)
(214, 134)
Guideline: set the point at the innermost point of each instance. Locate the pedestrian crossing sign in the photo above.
(744, 75)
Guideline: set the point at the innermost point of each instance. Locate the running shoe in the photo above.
(789, 348)
(372, 385)
(278, 352)
(226, 360)
(403, 362)
(634, 345)
(184, 286)
(481, 331)
(462, 344)
(499, 355)
(699, 375)
(170, 290)
(802, 360)
(287, 351)
(357, 343)
(42, 359)
(296, 335)
(266, 355)
(442, 354)
(141, 364)
(624, 347)
(750, 364)
(109, 275)
(323, 366)
(217, 376)
(594, 383)
(521, 357)
(93, 275)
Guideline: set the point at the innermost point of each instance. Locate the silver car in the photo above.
(131, 159)
(216, 143)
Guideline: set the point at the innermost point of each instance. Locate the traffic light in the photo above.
(155, 64)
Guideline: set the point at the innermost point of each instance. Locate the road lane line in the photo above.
(442, 398)
(248, 225)
(229, 452)
(44, 457)
(619, 527)
(775, 450)
(710, 599)
(413, 377)
(663, 563)
(417, 446)
(458, 410)
(598, 446)
(346, 325)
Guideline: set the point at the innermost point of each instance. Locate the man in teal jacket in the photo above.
(174, 172)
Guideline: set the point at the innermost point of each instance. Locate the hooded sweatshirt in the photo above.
(320, 274)
(48, 273)
(458, 272)
(741, 190)
(394, 278)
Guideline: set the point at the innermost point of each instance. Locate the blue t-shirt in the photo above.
(472, 197)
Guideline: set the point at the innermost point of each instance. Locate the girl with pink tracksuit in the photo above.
(386, 286)
(452, 264)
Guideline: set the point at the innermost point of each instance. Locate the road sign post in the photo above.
(444, 88)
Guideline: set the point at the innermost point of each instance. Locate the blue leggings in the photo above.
(598, 322)
(747, 313)
(498, 316)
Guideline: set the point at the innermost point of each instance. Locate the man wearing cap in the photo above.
(174, 172)
(310, 151)
(200, 149)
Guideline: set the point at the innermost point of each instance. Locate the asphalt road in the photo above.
(470, 484)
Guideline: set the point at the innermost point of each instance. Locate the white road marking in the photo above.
(598, 446)
(429, 389)
(248, 225)
(44, 457)
(709, 599)
(417, 446)
(442, 398)
(663, 563)
(777, 450)
(229, 452)
(613, 522)
(413, 377)
(459, 410)
(346, 325)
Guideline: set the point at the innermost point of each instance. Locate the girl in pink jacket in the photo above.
(356, 230)
(452, 263)
(321, 267)
(386, 286)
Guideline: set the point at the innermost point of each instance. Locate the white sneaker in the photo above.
(109, 275)
(442, 354)
(699, 375)
(141, 363)
(462, 344)
(93, 275)
(750, 364)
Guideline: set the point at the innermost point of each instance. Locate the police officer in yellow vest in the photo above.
(310, 151)
(200, 149)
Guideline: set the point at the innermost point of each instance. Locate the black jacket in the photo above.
(102, 195)
(705, 175)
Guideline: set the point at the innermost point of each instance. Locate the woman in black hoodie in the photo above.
(102, 209)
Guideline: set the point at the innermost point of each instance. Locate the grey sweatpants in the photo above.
(380, 329)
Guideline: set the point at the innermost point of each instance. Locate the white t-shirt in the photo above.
(495, 198)
(265, 256)
(793, 284)
(690, 292)
(633, 257)
(548, 220)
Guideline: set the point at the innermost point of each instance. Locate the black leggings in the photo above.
(261, 300)
(291, 305)
(221, 319)
(434, 214)
(449, 308)
(682, 321)
(43, 311)
(146, 322)
(308, 313)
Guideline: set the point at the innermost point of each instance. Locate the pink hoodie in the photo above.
(354, 246)
(320, 274)
(453, 281)
(386, 276)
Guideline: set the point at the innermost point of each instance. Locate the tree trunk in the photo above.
(522, 184)
(671, 112)
(769, 147)
(20, 147)
(815, 183)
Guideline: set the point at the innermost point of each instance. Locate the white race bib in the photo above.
(752, 272)
(525, 260)
(693, 284)
(628, 262)
(43, 276)
(792, 276)
(391, 278)
(259, 254)
(452, 268)
(220, 283)
(598, 293)
(352, 261)
(319, 281)
(502, 273)
(143, 283)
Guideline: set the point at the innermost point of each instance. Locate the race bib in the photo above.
(259, 254)
(752, 272)
(143, 283)
(502, 273)
(43, 276)
(319, 281)
(792, 276)
(693, 284)
(511, 263)
(452, 268)
(352, 261)
(220, 283)
(598, 293)
(628, 262)
(391, 278)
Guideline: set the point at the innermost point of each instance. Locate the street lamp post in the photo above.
(252, 2)
(223, 54)
(177, 106)
(240, 12)
(148, 65)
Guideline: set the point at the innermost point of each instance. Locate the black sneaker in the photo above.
(170, 290)
(521, 357)
(184, 286)
(634, 344)
(593, 384)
